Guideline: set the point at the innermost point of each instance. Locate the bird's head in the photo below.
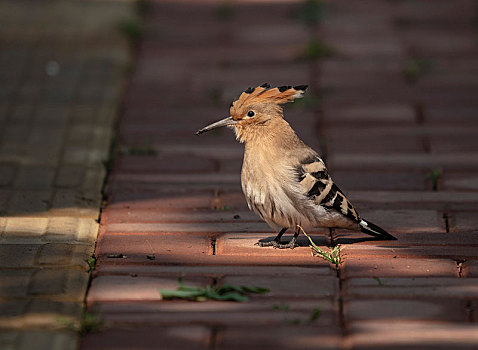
(255, 108)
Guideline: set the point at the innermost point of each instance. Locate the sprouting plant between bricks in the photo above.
(334, 255)
(227, 292)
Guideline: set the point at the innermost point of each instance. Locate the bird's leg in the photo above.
(275, 242)
(292, 243)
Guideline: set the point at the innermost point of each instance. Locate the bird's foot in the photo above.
(278, 244)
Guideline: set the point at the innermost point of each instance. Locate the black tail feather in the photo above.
(373, 230)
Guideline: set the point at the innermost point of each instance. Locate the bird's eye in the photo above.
(250, 114)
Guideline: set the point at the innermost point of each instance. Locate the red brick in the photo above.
(189, 249)
(430, 13)
(470, 268)
(463, 182)
(134, 288)
(147, 338)
(214, 271)
(438, 41)
(449, 200)
(406, 220)
(407, 239)
(457, 113)
(300, 337)
(459, 143)
(175, 183)
(260, 311)
(153, 248)
(379, 180)
(147, 216)
(210, 227)
(233, 244)
(370, 150)
(391, 334)
(389, 250)
(165, 164)
(228, 151)
(386, 309)
(367, 266)
(292, 286)
(465, 221)
(149, 200)
(367, 160)
(373, 114)
(412, 287)
(354, 77)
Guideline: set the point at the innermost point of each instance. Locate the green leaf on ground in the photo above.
(227, 292)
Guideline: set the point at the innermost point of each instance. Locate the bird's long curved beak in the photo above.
(223, 122)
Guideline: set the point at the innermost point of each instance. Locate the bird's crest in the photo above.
(264, 94)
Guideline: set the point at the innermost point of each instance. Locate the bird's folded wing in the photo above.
(317, 184)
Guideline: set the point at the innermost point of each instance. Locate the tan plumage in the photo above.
(284, 181)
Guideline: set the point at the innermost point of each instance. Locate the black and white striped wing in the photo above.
(317, 184)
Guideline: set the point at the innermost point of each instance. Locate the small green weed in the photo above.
(227, 292)
(281, 307)
(379, 281)
(89, 322)
(224, 208)
(316, 50)
(131, 28)
(225, 11)
(140, 151)
(312, 12)
(142, 7)
(415, 68)
(434, 176)
(91, 263)
(315, 314)
(334, 255)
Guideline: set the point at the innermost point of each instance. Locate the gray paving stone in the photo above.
(25, 227)
(35, 177)
(48, 206)
(71, 229)
(17, 255)
(14, 283)
(7, 174)
(22, 202)
(4, 198)
(38, 313)
(8, 339)
(73, 203)
(47, 340)
(22, 113)
(70, 176)
(60, 254)
(64, 284)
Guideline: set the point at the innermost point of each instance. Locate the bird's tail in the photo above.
(373, 230)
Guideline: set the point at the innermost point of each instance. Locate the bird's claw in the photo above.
(278, 245)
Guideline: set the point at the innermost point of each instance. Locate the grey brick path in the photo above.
(62, 66)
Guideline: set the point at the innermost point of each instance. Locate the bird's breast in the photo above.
(269, 191)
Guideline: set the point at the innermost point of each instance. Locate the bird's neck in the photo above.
(275, 135)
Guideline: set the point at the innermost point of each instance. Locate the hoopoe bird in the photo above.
(284, 181)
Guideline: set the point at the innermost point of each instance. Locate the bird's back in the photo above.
(274, 184)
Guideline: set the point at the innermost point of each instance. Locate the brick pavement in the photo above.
(397, 102)
(62, 71)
